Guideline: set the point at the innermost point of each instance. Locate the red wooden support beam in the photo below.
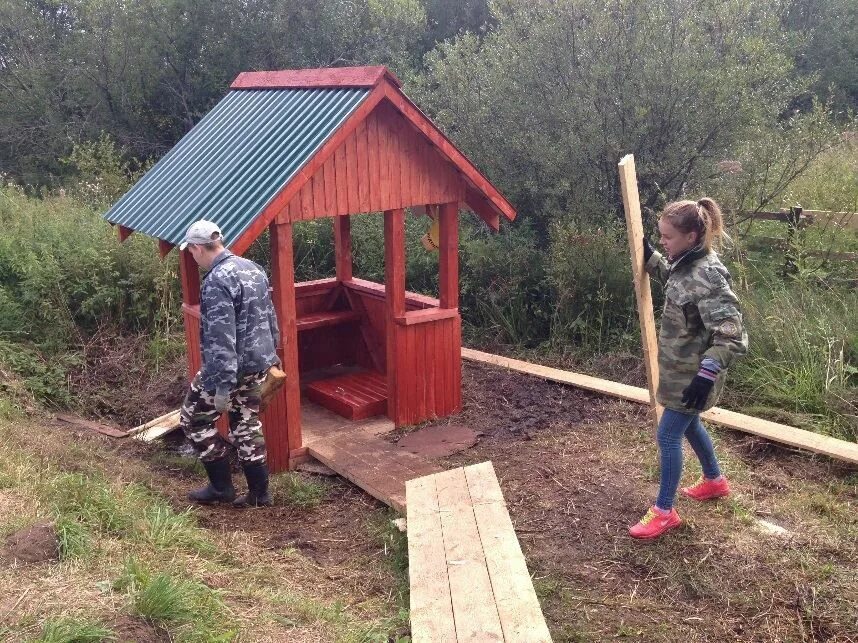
(394, 282)
(164, 247)
(343, 247)
(124, 233)
(283, 282)
(448, 261)
(190, 276)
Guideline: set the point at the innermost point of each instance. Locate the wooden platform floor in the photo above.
(355, 451)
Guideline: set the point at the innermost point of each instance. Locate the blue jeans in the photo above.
(672, 427)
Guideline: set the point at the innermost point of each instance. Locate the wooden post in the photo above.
(634, 227)
(189, 275)
(448, 260)
(394, 289)
(343, 246)
(283, 282)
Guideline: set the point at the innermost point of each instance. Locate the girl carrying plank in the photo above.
(701, 334)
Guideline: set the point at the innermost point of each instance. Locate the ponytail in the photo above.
(703, 217)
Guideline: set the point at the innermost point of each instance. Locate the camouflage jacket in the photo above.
(701, 318)
(238, 327)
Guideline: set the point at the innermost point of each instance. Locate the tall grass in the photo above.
(803, 358)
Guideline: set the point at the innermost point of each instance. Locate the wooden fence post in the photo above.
(634, 226)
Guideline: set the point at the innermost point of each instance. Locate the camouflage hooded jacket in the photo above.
(701, 318)
(238, 327)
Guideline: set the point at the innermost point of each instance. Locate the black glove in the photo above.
(648, 249)
(694, 395)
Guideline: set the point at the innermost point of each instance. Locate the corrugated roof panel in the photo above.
(234, 161)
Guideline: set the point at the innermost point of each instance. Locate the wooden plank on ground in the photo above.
(789, 435)
(376, 483)
(431, 608)
(518, 607)
(588, 382)
(474, 608)
(634, 229)
(167, 417)
(92, 426)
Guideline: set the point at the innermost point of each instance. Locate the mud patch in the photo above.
(35, 544)
(128, 629)
(439, 441)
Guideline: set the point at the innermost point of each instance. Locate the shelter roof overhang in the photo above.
(243, 162)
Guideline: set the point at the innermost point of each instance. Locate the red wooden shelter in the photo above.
(356, 347)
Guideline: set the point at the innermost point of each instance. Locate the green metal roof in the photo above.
(234, 161)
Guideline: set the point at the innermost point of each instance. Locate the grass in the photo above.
(297, 490)
(801, 367)
(177, 462)
(126, 552)
(395, 544)
(75, 540)
(163, 528)
(70, 630)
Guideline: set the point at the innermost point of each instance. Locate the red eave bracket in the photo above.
(164, 247)
(479, 205)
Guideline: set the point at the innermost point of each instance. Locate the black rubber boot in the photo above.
(220, 487)
(257, 487)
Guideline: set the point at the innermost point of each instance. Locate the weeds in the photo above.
(90, 501)
(70, 630)
(293, 489)
(165, 529)
(74, 539)
(395, 550)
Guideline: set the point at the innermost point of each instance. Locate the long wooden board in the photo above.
(431, 607)
(515, 598)
(634, 228)
(471, 592)
(782, 433)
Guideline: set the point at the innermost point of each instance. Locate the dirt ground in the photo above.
(576, 469)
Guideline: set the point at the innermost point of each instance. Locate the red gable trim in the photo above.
(482, 197)
(314, 78)
(482, 187)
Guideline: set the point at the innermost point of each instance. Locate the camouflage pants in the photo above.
(198, 417)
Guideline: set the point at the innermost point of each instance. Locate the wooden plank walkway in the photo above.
(355, 451)
(469, 581)
(782, 433)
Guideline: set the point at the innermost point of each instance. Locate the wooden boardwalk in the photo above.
(356, 452)
(468, 578)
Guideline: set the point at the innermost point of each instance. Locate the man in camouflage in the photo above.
(238, 338)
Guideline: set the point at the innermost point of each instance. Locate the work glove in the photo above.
(694, 395)
(221, 401)
(647, 249)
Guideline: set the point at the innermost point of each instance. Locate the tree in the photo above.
(556, 93)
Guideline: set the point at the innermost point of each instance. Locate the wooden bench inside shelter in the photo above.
(468, 577)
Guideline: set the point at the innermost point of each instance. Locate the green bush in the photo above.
(63, 273)
(594, 300)
(504, 293)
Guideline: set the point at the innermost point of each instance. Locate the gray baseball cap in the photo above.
(201, 232)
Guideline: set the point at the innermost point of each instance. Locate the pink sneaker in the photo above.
(708, 489)
(654, 524)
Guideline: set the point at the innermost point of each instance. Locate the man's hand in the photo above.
(221, 401)
(694, 395)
